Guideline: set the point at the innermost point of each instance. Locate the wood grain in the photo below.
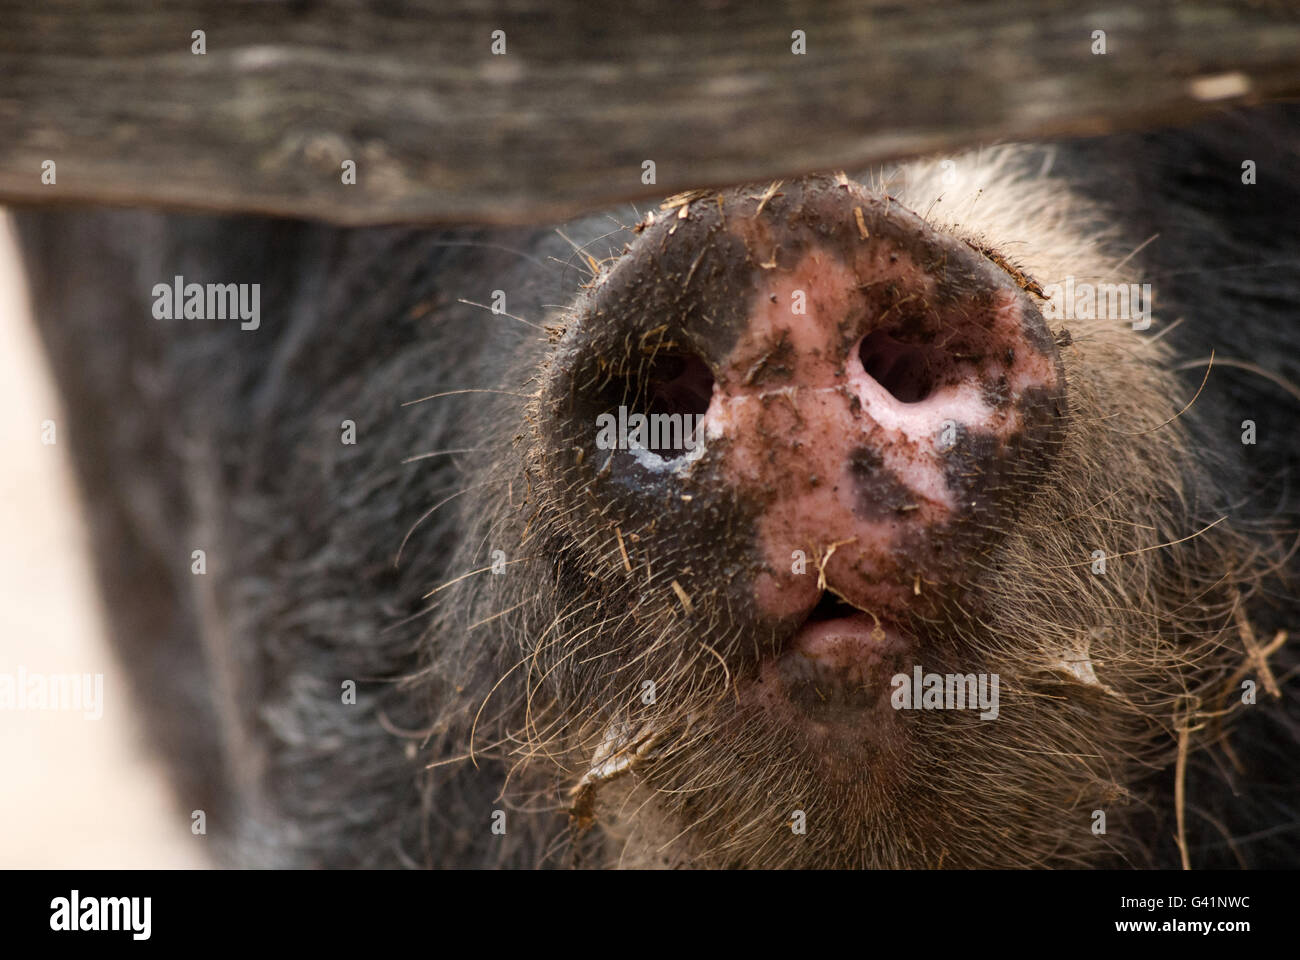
(443, 130)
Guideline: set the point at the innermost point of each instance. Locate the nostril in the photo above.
(671, 391)
(830, 607)
(905, 370)
(679, 384)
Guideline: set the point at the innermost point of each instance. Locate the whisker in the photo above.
(500, 613)
(1136, 250)
(1287, 385)
(1169, 328)
(455, 393)
(1132, 553)
(1204, 380)
(431, 511)
(501, 313)
(442, 453)
(471, 573)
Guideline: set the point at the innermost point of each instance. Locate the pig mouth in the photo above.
(827, 690)
(833, 674)
(837, 634)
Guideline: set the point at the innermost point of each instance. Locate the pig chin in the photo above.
(832, 686)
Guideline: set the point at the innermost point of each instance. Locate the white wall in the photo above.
(74, 792)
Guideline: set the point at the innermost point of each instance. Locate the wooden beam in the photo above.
(442, 129)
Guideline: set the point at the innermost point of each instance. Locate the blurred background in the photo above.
(74, 792)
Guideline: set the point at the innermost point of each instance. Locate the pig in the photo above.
(888, 519)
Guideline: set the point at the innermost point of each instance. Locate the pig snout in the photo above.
(807, 404)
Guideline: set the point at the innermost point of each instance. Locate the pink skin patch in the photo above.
(851, 469)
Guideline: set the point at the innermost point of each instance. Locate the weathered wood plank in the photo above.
(441, 129)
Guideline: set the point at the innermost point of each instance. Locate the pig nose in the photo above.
(855, 387)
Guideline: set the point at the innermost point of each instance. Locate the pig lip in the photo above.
(858, 647)
(838, 633)
(834, 674)
(841, 643)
